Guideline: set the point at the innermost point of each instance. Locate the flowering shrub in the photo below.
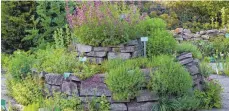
(106, 23)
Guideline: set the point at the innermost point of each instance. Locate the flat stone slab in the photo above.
(74, 78)
(113, 55)
(118, 107)
(69, 88)
(186, 61)
(146, 95)
(140, 106)
(94, 86)
(83, 48)
(102, 49)
(187, 55)
(88, 99)
(193, 70)
(96, 54)
(127, 49)
(54, 79)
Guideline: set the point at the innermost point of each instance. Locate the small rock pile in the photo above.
(133, 48)
(192, 65)
(181, 34)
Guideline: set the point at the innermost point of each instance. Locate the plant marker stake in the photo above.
(144, 39)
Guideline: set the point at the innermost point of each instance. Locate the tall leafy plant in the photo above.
(105, 23)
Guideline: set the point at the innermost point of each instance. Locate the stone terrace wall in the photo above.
(95, 86)
(181, 34)
(131, 49)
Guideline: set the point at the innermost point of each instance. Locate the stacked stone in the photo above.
(98, 54)
(95, 87)
(181, 34)
(192, 65)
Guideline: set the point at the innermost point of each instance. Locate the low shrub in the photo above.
(26, 91)
(124, 82)
(99, 104)
(136, 62)
(19, 64)
(86, 70)
(170, 78)
(160, 42)
(61, 102)
(31, 107)
(55, 60)
(221, 44)
(210, 97)
(189, 47)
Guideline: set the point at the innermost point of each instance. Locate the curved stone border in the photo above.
(95, 86)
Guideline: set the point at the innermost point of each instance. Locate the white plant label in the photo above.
(144, 39)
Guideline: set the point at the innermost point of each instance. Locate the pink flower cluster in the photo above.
(96, 12)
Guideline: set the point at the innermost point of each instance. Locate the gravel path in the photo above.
(5, 96)
(224, 82)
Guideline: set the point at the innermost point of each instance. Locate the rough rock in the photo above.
(136, 54)
(179, 30)
(69, 88)
(196, 35)
(186, 61)
(112, 55)
(83, 48)
(127, 49)
(202, 32)
(118, 107)
(180, 39)
(55, 88)
(94, 86)
(183, 56)
(96, 60)
(140, 106)
(74, 78)
(146, 95)
(90, 98)
(66, 88)
(188, 35)
(96, 54)
(187, 31)
(102, 49)
(54, 79)
(193, 70)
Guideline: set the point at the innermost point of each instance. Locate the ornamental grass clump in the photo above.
(106, 23)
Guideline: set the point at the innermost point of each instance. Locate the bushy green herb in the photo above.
(99, 104)
(160, 42)
(86, 70)
(170, 78)
(189, 47)
(20, 64)
(210, 97)
(62, 37)
(136, 62)
(124, 82)
(55, 60)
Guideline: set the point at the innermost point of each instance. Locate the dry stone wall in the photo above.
(96, 87)
(181, 34)
(131, 49)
